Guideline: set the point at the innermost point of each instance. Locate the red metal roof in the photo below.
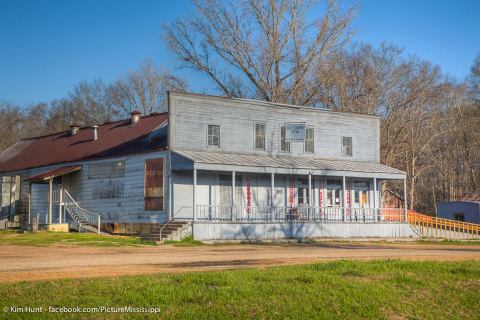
(114, 139)
(54, 173)
(469, 197)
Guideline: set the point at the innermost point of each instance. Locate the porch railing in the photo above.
(284, 214)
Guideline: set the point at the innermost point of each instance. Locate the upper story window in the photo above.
(309, 144)
(347, 146)
(213, 135)
(284, 146)
(260, 136)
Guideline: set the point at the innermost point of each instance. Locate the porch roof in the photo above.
(54, 173)
(241, 162)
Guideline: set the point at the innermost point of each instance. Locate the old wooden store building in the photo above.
(220, 168)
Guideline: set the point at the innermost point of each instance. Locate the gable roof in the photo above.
(115, 139)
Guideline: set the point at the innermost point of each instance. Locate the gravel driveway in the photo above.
(19, 263)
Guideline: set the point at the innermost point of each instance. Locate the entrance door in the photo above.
(361, 201)
(225, 182)
(334, 199)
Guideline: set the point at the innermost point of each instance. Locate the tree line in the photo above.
(274, 50)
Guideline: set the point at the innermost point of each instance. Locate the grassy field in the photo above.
(387, 289)
(86, 239)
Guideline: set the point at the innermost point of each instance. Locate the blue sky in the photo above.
(47, 46)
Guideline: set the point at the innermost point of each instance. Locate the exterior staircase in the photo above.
(438, 228)
(83, 220)
(170, 230)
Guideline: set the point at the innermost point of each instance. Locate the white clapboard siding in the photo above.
(190, 117)
(129, 208)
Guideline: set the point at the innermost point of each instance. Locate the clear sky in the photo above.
(47, 46)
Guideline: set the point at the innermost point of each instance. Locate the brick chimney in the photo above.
(135, 116)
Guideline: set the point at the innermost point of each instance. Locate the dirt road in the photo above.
(18, 263)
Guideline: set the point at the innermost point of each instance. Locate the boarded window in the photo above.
(108, 189)
(154, 184)
(347, 146)
(104, 170)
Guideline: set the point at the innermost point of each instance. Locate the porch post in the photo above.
(60, 203)
(375, 199)
(50, 198)
(30, 203)
(232, 210)
(309, 195)
(405, 202)
(272, 190)
(344, 182)
(194, 194)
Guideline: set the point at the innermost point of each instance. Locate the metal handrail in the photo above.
(170, 220)
(90, 218)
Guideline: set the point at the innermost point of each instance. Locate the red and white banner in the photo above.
(320, 193)
(248, 194)
(291, 192)
(348, 187)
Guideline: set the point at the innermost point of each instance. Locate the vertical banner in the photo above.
(248, 194)
(291, 191)
(348, 188)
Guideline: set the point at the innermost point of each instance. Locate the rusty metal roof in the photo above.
(115, 139)
(54, 173)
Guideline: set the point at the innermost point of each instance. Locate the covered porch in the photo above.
(240, 188)
(52, 207)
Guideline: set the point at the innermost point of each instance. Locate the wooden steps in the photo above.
(166, 231)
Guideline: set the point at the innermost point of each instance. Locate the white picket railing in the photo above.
(281, 214)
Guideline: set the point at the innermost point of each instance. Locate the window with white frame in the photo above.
(260, 135)
(309, 144)
(284, 146)
(213, 135)
(347, 146)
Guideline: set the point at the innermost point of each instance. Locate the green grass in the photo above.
(455, 242)
(186, 242)
(85, 239)
(382, 289)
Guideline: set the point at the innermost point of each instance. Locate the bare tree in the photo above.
(264, 49)
(144, 90)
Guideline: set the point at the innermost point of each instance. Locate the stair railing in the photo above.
(170, 221)
(80, 215)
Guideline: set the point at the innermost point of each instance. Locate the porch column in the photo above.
(50, 198)
(30, 203)
(309, 195)
(272, 190)
(60, 203)
(194, 194)
(344, 183)
(405, 202)
(232, 210)
(375, 199)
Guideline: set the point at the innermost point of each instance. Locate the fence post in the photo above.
(98, 221)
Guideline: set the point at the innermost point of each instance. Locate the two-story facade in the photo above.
(234, 168)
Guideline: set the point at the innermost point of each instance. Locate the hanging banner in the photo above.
(347, 207)
(291, 192)
(294, 132)
(248, 194)
(320, 192)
